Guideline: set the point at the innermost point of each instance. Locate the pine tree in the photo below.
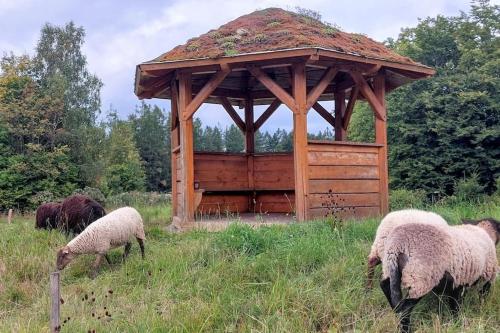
(234, 141)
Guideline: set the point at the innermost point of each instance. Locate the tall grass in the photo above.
(301, 278)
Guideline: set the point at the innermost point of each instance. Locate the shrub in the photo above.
(138, 199)
(228, 45)
(93, 193)
(193, 47)
(403, 198)
(469, 189)
(41, 198)
(331, 31)
(260, 38)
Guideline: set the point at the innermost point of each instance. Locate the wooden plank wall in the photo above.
(228, 187)
(343, 179)
(273, 171)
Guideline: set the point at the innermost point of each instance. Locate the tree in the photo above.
(446, 127)
(152, 134)
(124, 169)
(234, 141)
(59, 62)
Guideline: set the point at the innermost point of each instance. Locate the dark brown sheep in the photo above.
(46, 215)
(77, 212)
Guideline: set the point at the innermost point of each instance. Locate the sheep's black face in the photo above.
(64, 257)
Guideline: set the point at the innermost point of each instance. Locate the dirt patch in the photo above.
(277, 29)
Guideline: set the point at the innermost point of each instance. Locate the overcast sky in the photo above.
(121, 34)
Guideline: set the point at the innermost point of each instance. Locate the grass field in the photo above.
(302, 278)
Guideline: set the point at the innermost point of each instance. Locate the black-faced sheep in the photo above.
(111, 231)
(388, 223)
(77, 212)
(46, 215)
(420, 258)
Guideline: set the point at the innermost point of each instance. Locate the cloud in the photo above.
(122, 34)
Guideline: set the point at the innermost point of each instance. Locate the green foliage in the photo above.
(93, 193)
(234, 141)
(38, 170)
(468, 189)
(59, 64)
(403, 198)
(135, 199)
(124, 168)
(444, 127)
(151, 133)
(362, 124)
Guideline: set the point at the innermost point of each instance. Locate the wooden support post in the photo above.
(9, 216)
(55, 299)
(340, 133)
(187, 153)
(249, 126)
(300, 141)
(250, 145)
(381, 137)
(174, 143)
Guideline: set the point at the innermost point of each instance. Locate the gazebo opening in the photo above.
(278, 58)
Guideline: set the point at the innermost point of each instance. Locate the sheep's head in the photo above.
(64, 257)
(491, 226)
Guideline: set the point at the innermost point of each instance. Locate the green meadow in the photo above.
(306, 277)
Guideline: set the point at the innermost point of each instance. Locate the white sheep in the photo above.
(110, 231)
(420, 258)
(388, 223)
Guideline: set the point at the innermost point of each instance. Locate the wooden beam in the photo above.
(209, 87)
(339, 116)
(174, 102)
(324, 113)
(381, 138)
(273, 87)
(187, 153)
(232, 113)
(300, 142)
(269, 111)
(368, 93)
(325, 80)
(249, 133)
(350, 108)
(280, 56)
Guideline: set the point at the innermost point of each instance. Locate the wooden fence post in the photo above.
(9, 216)
(55, 297)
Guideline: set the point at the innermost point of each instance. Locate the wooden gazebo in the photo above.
(274, 57)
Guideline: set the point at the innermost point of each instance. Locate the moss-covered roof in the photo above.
(276, 29)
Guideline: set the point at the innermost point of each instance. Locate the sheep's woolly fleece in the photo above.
(113, 230)
(395, 219)
(466, 252)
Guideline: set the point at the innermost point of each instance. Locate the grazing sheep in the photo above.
(111, 231)
(388, 223)
(421, 258)
(46, 215)
(77, 212)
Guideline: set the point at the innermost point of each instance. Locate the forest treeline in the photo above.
(53, 140)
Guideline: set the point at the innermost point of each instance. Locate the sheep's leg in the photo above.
(372, 262)
(107, 259)
(127, 250)
(455, 299)
(141, 245)
(385, 285)
(485, 290)
(95, 265)
(404, 309)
